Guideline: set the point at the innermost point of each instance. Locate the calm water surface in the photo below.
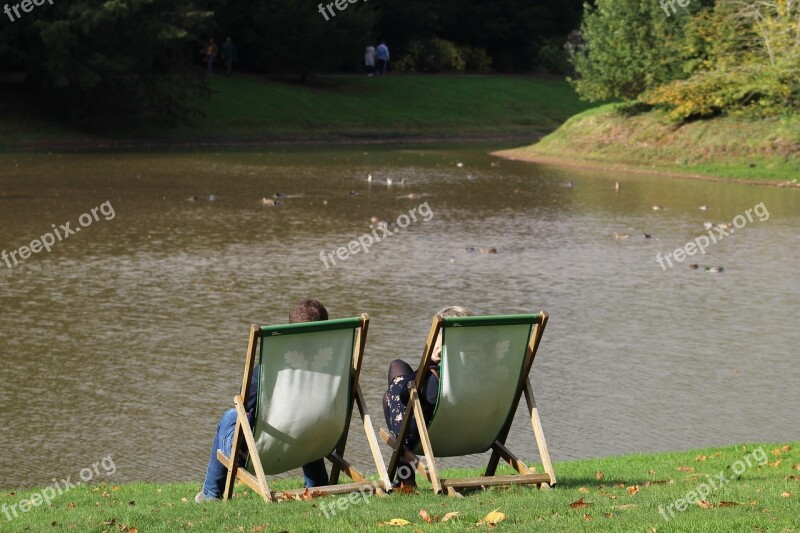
(129, 337)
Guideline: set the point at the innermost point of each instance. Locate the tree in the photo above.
(630, 46)
(126, 58)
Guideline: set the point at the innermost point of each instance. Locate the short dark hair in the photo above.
(310, 310)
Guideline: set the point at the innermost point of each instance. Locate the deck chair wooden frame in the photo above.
(499, 450)
(244, 444)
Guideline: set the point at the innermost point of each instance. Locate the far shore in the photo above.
(515, 154)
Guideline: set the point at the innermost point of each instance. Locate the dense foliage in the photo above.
(728, 56)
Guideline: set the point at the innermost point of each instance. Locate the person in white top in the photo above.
(369, 60)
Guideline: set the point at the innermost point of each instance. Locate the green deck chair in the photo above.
(483, 374)
(308, 382)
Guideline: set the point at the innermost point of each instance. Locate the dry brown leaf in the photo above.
(728, 504)
(598, 476)
(184, 500)
(262, 527)
(796, 478)
(776, 463)
(620, 485)
(608, 515)
(450, 516)
(587, 517)
(796, 466)
(493, 518)
(426, 517)
(71, 505)
(399, 522)
(307, 494)
(583, 490)
(787, 494)
(700, 458)
(705, 504)
(786, 448)
(651, 472)
(685, 469)
(633, 490)
(579, 504)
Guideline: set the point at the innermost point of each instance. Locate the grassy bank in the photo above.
(760, 493)
(766, 151)
(344, 108)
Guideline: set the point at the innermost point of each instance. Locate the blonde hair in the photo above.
(455, 310)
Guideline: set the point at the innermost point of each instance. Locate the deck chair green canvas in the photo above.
(485, 362)
(307, 385)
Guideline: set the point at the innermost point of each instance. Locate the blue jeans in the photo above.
(314, 472)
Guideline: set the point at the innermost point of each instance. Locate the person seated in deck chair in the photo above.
(396, 397)
(314, 472)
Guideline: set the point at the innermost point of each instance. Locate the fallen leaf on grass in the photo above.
(705, 504)
(426, 517)
(598, 476)
(450, 516)
(728, 504)
(608, 515)
(786, 448)
(493, 518)
(71, 505)
(700, 458)
(579, 504)
(583, 490)
(184, 500)
(796, 466)
(787, 494)
(587, 517)
(776, 463)
(262, 527)
(620, 485)
(796, 478)
(395, 522)
(633, 490)
(685, 469)
(651, 472)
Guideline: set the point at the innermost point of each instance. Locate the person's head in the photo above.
(310, 310)
(447, 312)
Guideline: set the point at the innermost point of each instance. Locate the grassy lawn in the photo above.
(759, 492)
(250, 108)
(765, 150)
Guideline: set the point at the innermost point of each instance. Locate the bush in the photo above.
(438, 55)
(553, 57)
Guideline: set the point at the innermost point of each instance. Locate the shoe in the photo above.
(202, 498)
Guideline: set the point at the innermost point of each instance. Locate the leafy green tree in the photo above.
(630, 46)
(123, 58)
(747, 60)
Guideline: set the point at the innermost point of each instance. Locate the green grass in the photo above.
(766, 150)
(250, 108)
(627, 497)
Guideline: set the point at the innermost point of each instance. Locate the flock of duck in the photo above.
(706, 225)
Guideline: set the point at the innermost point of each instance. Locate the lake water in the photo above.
(128, 338)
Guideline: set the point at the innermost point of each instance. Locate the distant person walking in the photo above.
(229, 55)
(369, 60)
(383, 58)
(211, 52)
